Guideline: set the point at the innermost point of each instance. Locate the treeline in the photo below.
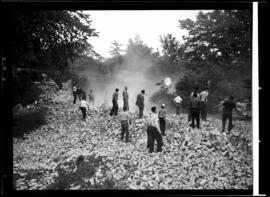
(216, 51)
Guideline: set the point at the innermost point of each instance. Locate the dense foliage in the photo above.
(46, 41)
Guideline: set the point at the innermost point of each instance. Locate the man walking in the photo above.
(153, 130)
(125, 99)
(162, 119)
(203, 104)
(140, 103)
(114, 110)
(91, 98)
(228, 106)
(177, 100)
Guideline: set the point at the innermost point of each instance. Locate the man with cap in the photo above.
(162, 119)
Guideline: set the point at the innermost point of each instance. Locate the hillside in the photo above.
(68, 153)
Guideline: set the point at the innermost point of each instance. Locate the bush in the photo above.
(27, 121)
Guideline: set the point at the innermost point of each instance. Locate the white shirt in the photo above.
(178, 99)
(84, 104)
(203, 95)
(124, 115)
(152, 120)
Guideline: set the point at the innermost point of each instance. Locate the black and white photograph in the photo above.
(132, 99)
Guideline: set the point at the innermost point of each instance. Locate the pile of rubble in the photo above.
(191, 159)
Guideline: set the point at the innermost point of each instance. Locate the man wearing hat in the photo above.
(162, 119)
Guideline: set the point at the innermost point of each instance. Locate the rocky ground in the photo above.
(68, 153)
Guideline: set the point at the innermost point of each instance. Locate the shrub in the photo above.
(27, 121)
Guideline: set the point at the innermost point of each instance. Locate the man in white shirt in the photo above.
(83, 106)
(153, 131)
(177, 101)
(203, 100)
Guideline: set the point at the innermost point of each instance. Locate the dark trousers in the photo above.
(141, 111)
(178, 109)
(126, 106)
(148, 136)
(83, 109)
(75, 97)
(80, 96)
(227, 115)
(203, 110)
(114, 110)
(162, 123)
(195, 115)
(154, 135)
(124, 126)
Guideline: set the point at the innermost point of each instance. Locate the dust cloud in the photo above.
(135, 73)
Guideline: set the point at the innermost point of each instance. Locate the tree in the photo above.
(44, 33)
(116, 49)
(221, 37)
(170, 47)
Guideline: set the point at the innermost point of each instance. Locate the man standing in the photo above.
(154, 132)
(125, 98)
(125, 120)
(228, 106)
(91, 97)
(195, 110)
(140, 103)
(74, 94)
(114, 110)
(162, 119)
(203, 104)
(177, 101)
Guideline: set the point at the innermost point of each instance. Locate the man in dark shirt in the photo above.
(125, 99)
(140, 103)
(195, 110)
(114, 110)
(228, 106)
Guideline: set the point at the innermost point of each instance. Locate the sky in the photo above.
(149, 25)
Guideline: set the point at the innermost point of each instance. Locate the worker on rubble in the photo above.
(80, 93)
(91, 98)
(125, 99)
(162, 119)
(114, 110)
(195, 91)
(83, 106)
(153, 131)
(74, 91)
(195, 109)
(140, 103)
(203, 104)
(228, 106)
(177, 100)
(125, 120)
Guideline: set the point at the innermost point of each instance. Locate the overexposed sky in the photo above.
(149, 25)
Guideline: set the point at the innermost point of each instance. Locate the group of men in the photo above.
(156, 122)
